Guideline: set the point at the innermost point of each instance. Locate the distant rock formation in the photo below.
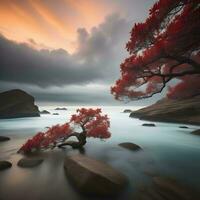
(127, 111)
(17, 103)
(61, 108)
(167, 110)
(45, 112)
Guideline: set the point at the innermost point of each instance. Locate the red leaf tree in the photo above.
(164, 47)
(91, 122)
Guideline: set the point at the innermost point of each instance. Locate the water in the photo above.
(167, 150)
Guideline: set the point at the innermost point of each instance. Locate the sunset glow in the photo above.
(47, 24)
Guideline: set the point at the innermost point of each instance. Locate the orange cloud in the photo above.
(52, 23)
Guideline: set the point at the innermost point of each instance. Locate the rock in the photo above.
(183, 127)
(55, 114)
(149, 124)
(5, 165)
(196, 132)
(166, 110)
(93, 177)
(61, 108)
(17, 103)
(4, 138)
(27, 162)
(166, 189)
(172, 187)
(127, 111)
(130, 146)
(45, 112)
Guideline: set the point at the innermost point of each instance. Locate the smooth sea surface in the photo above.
(167, 150)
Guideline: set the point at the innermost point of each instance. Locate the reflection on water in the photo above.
(167, 150)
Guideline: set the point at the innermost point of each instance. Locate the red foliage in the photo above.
(95, 124)
(161, 47)
(90, 120)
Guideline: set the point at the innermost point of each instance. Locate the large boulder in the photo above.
(167, 110)
(5, 165)
(17, 103)
(93, 177)
(4, 138)
(29, 162)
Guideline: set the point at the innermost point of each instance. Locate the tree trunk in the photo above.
(75, 144)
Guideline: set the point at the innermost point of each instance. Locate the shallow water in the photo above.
(167, 150)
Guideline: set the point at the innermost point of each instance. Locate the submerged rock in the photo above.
(55, 114)
(196, 132)
(61, 108)
(130, 146)
(127, 111)
(27, 162)
(17, 103)
(149, 124)
(173, 188)
(93, 177)
(166, 189)
(5, 165)
(4, 138)
(183, 127)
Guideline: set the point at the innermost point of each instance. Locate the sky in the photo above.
(67, 51)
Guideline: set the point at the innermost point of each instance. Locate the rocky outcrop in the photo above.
(17, 103)
(130, 146)
(27, 162)
(93, 177)
(5, 165)
(166, 110)
(4, 138)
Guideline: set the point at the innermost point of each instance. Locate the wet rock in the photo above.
(44, 112)
(196, 132)
(166, 189)
(5, 165)
(171, 187)
(4, 138)
(27, 162)
(93, 177)
(149, 124)
(127, 111)
(130, 146)
(183, 127)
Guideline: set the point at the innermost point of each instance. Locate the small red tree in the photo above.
(165, 46)
(91, 122)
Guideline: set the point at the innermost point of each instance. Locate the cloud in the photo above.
(96, 59)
